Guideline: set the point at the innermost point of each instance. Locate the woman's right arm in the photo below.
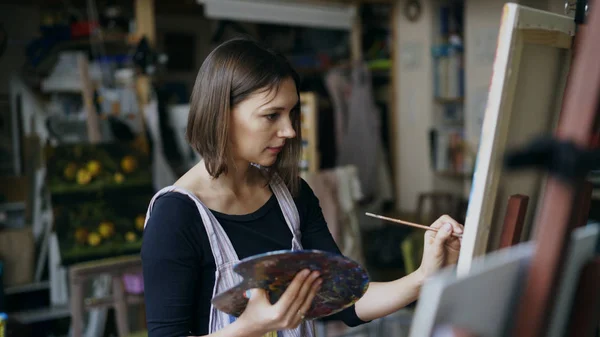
(171, 268)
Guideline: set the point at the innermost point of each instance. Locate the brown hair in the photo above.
(231, 73)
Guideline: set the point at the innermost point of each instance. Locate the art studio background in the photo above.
(93, 104)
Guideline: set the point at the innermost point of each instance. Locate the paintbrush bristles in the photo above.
(411, 224)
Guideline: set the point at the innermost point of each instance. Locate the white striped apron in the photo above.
(226, 257)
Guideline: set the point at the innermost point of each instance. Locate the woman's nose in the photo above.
(287, 131)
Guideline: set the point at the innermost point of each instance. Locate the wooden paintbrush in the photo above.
(427, 228)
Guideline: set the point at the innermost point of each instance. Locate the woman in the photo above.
(245, 198)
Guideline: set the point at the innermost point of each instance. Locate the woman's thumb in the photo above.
(443, 234)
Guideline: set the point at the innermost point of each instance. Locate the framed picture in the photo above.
(530, 70)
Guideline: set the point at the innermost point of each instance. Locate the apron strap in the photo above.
(289, 210)
(220, 244)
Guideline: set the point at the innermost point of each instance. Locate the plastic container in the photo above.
(2, 303)
(134, 284)
(3, 318)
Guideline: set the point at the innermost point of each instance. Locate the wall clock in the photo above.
(412, 10)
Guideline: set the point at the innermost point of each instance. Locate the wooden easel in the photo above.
(558, 208)
(564, 207)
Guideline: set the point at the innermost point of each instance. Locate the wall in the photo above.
(414, 105)
(414, 91)
(481, 32)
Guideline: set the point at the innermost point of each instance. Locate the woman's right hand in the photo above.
(288, 312)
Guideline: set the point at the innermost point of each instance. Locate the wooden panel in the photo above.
(514, 220)
(584, 201)
(310, 131)
(144, 20)
(524, 101)
(547, 38)
(87, 91)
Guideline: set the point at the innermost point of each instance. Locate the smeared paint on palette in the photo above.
(344, 280)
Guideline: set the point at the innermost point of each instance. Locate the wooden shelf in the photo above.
(450, 100)
(41, 314)
(454, 174)
(25, 288)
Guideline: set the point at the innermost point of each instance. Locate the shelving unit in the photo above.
(35, 286)
(382, 70)
(42, 314)
(448, 148)
(38, 311)
(43, 304)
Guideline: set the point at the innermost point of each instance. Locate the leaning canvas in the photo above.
(525, 96)
(485, 301)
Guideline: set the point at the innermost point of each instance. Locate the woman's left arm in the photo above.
(382, 298)
(440, 250)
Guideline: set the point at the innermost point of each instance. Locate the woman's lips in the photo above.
(275, 149)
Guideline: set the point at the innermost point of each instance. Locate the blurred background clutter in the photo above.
(94, 97)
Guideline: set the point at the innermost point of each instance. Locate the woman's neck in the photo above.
(239, 178)
(235, 192)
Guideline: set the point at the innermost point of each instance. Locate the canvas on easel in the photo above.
(529, 76)
(468, 303)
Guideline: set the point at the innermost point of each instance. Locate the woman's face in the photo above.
(262, 124)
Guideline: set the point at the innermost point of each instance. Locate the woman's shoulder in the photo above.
(174, 226)
(173, 211)
(305, 199)
(305, 191)
(176, 203)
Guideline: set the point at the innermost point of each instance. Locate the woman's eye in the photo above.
(272, 116)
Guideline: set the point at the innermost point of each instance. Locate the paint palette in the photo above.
(344, 280)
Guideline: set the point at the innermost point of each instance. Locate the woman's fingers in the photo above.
(458, 228)
(297, 310)
(443, 234)
(453, 242)
(440, 222)
(291, 293)
(304, 291)
(311, 296)
(430, 234)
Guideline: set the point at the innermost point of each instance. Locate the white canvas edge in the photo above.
(481, 174)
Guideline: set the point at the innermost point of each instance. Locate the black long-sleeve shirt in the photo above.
(179, 267)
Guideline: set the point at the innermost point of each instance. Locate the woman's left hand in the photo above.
(441, 248)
